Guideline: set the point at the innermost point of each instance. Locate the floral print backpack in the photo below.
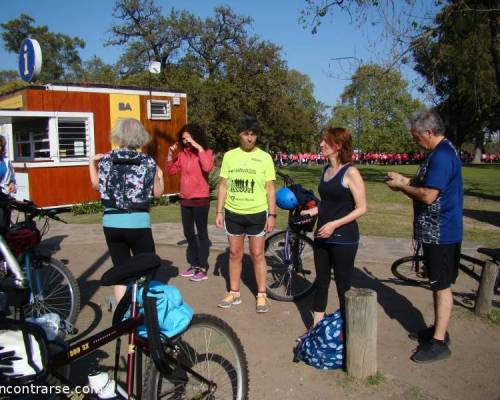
(126, 180)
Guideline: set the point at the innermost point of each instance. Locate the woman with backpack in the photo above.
(127, 180)
(343, 201)
(194, 161)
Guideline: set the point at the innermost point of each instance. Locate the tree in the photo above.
(59, 51)
(225, 71)
(459, 62)
(96, 71)
(148, 34)
(375, 108)
(8, 76)
(468, 102)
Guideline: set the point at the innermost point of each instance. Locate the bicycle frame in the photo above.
(87, 346)
(128, 326)
(12, 263)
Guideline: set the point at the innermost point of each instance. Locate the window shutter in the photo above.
(159, 109)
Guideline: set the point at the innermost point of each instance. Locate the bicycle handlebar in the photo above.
(288, 180)
(30, 208)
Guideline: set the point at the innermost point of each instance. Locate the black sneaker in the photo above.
(430, 351)
(427, 334)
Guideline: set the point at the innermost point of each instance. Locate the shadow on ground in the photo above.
(488, 217)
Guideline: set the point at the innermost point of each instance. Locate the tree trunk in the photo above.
(478, 147)
(494, 22)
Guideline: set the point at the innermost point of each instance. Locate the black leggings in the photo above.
(341, 258)
(122, 241)
(197, 250)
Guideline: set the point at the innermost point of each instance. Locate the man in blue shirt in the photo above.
(437, 194)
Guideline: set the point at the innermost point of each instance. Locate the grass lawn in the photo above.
(389, 213)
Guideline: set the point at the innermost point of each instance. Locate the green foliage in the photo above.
(494, 316)
(225, 72)
(11, 85)
(375, 108)
(89, 207)
(459, 57)
(213, 181)
(60, 51)
(7, 76)
(374, 380)
(161, 201)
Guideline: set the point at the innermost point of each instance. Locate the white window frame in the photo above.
(161, 117)
(55, 159)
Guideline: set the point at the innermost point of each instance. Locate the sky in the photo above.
(276, 21)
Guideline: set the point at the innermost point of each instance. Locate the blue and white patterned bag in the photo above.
(323, 346)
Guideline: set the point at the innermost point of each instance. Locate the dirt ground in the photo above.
(471, 373)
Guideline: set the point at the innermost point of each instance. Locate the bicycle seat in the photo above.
(493, 253)
(133, 268)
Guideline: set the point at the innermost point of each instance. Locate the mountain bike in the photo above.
(289, 254)
(53, 286)
(205, 361)
(412, 269)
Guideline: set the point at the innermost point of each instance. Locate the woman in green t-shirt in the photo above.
(246, 206)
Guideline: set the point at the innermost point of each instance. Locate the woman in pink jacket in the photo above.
(191, 157)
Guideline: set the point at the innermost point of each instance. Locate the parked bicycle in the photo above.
(205, 361)
(53, 287)
(289, 255)
(412, 268)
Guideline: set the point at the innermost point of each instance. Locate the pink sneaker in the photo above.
(200, 275)
(191, 271)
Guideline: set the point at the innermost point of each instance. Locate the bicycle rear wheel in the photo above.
(291, 274)
(211, 348)
(410, 269)
(57, 291)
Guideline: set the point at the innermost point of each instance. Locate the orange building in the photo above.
(52, 130)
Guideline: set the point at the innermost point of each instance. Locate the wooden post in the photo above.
(486, 287)
(361, 332)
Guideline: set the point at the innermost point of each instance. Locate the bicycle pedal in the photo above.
(110, 303)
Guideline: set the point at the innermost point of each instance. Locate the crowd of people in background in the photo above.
(284, 159)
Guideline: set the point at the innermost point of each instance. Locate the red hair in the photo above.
(341, 137)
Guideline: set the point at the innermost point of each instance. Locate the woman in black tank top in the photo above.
(343, 201)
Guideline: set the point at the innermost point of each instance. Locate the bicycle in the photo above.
(289, 254)
(412, 269)
(53, 286)
(205, 361)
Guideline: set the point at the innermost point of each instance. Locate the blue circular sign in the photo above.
(30, 59)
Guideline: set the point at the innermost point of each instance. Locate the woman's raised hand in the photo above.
(171, 151)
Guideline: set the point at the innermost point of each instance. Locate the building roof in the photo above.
(97, 88)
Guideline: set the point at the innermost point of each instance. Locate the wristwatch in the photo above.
(272, 215)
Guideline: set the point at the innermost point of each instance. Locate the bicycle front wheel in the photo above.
(54, 290)
(291, 274)
(210, 348)
(410, 269)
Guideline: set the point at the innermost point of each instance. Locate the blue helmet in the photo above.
(286, 199)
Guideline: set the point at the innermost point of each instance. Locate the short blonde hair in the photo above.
(129, 133)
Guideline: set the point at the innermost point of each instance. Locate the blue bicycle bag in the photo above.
(174, 315)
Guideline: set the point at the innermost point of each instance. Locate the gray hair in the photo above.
(422, 121)
(129, 133)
